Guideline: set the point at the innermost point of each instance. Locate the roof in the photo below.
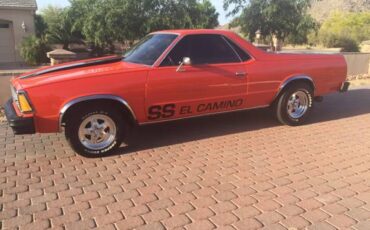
(18, 4)
(254, 51)
(196, 31)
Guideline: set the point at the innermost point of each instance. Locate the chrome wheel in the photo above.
(298, 104)
(97, 132)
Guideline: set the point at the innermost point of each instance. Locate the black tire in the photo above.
(281, 104)
(82, 114)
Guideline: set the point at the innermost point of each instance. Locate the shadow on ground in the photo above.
(335, 106)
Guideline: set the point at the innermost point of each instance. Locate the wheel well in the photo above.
(307, 81)
(110, 102)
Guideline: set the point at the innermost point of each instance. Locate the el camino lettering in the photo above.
(168, 110)
(219, 105)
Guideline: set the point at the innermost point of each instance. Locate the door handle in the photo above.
(240, 74)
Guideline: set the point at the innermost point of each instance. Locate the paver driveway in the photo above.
(240, 170)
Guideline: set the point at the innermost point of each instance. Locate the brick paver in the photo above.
(240, 170)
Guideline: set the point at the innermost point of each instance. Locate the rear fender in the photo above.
(293, 79)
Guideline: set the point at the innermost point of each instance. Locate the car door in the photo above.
(216, 81)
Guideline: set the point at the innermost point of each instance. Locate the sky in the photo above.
(217, 3)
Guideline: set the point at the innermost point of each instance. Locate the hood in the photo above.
(71, 65)
(75, 70)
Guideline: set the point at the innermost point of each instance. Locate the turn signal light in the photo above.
(24, 105)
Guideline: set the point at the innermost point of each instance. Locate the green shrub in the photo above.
(33, 50)
(346, 43)
(345, 29)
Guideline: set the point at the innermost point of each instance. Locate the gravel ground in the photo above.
(2, 114)
(359, 80)
(358, 77)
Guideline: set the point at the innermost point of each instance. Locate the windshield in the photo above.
(149, 49)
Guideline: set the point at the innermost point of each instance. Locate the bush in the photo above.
(347, 44)
(346, 30)
(33, 50)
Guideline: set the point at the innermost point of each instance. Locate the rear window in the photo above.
(242, 54)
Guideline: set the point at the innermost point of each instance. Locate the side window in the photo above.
(176, 55)
(202, 49)
(242, 54)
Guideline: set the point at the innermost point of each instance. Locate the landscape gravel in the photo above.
(2, 115)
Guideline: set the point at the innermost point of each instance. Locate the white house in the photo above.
(16, 22)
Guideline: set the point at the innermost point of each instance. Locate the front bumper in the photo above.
(20, 125)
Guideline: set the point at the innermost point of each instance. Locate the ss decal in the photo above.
(158, 111)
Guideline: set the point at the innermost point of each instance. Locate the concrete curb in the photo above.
(14, 72)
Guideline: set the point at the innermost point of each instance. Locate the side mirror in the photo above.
(185, 61)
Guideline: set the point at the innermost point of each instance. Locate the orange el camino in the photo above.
(168, 75)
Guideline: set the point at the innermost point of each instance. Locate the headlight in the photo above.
(21, 100)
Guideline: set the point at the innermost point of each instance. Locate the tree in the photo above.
(103, 22)
(273, 18)
(350, 25)
(238, 5)
(60, 26)
(303, 29)
(205, 15)
(174, 14)
(40, 26)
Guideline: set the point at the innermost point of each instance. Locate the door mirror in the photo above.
(185, 61)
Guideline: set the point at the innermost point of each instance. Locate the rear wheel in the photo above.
(294, 104)
(96, 131)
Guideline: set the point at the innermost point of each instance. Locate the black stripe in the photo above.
(73, 66)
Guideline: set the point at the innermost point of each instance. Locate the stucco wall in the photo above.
(357, 63)
(17, 17)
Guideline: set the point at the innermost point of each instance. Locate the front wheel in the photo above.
(96, 131)
(294, 104)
